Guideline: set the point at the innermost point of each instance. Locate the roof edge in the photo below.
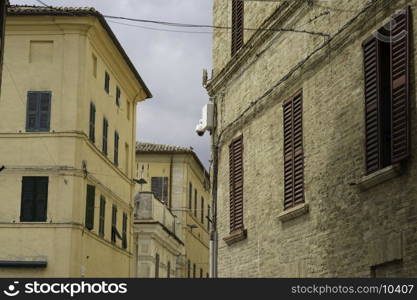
(80, 12)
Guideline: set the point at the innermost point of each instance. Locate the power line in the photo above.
(292, 71)
(160, 29)
(43, 3)
(188, 25)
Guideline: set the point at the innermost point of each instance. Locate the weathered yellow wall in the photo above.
(184, 170)
(62, 63)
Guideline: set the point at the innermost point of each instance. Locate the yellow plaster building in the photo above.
(177, 178)
(67, 143)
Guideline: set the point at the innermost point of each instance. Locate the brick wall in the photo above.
(346, 231)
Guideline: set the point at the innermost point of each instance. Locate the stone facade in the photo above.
(347, 231)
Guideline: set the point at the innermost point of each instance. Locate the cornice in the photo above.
(275, 20)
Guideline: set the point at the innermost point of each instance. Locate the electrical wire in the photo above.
(43, 3)
(189, 25)
(293, 70)
(159, 29)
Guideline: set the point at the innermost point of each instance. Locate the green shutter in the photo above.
(44, 111)
(116, 148)
(124, 231)
(105, 135)
(113, 224)
(102, 215)
(34, 199)
(41, 199)
(32, 112)
(92, 135)
(89, 212)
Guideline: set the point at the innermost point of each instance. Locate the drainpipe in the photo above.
(214, 233)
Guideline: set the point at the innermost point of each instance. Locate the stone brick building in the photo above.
(314, 147)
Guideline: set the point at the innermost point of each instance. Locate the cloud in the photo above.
(170, 63)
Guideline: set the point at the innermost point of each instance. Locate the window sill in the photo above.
(236, 236)
(294, 212)
(380, 176)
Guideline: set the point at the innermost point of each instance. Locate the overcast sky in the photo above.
(170, 63)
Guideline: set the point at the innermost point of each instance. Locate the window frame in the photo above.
(114, 224)
(106, 82)
(118, 95)
(92, 123)
(105, 136)
(116, 148)
(90, 207)
(36, 181)
(38, 112)
(124, 231)
(238, 22)
(102, 216)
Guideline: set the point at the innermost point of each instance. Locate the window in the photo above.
(92, 131)
(236, 184)
(194, 270)
(293, 152)
(127, 158)
(94, 66)
(157, 265)
(202, 210)
(159, 186)
(195, 202)
(102, 216)
(116, 148)
(190, 196)
(105, 135)
(390, 269)
(201, 273)
(89, 210)
(118, 94)
(113, 224)
(124, 231)
(34, 199)
(189, 269)
(169, 270)
(38, 111)
(107, 82)
(207, 275)
(387, 73)
(237, 25)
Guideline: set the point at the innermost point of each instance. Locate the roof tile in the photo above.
(151, 147)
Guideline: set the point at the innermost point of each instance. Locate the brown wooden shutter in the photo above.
(372, 104)
(236, 184)
(400, 74)
(237, 25)
(293, 152)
